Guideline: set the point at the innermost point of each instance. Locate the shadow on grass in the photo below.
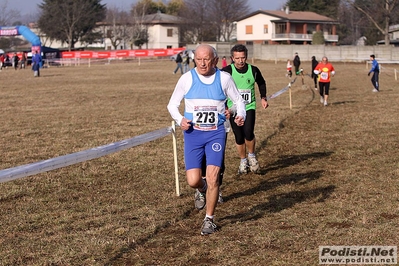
(262, 144)
(291, 160)
(273, 203)
(140, 242)
(266, 185)
(279, 202)
(343, 102)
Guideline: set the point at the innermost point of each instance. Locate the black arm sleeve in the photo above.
(227, 69)
(260, 81)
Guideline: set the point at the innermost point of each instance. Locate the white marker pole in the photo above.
(175, 158)
(289, 88)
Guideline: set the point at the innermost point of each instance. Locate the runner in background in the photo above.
(325, 70)
(245, 76)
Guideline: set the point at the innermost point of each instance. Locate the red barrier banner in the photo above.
(141, 52)
(104, 55)
(68, 54)
(175, 51)
(87, 54)
(122, 53)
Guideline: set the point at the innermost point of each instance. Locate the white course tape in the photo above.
(274, 95)
(73, 158)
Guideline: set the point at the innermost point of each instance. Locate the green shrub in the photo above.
(318, 38)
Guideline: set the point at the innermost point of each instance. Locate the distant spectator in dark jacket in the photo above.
(15, 60)
(179, 60)
(297, 63)
(314, 76)
(186, 62)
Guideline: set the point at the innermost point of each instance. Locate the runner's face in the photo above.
(239, 59)
(205, 61)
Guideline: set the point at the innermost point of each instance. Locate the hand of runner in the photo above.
(239, 121)
(185, 124)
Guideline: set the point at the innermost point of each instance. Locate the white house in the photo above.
(394, 32)
(163, 32)
(284, 27)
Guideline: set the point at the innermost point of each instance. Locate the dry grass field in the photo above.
(329, 175)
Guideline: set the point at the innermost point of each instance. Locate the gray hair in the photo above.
(215, 53)
(213, 49)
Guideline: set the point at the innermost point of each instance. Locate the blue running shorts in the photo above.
(197, 142)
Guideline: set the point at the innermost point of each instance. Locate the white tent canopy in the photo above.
(1, 51)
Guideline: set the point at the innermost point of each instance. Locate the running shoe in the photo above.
(208, 227)
(243, 168)
(253, 164)
(199, 199)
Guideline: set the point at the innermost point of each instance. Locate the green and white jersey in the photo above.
(245, 83)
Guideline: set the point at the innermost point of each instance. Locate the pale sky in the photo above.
(29, 7)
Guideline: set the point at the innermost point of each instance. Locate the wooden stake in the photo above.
(289, 90)
(175, 158)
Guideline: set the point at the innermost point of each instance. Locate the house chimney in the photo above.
(287, 10)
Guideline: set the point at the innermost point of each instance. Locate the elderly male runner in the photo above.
(205, 90)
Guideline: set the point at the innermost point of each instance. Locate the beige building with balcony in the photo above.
(162, 30)
(285, 27)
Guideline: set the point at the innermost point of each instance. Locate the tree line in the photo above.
(357, 18)
(72, 21)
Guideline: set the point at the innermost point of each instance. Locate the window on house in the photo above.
(266, 29)
(248, 29)
(281, 28)
(249, 43)
(169, 33)
(109, 33)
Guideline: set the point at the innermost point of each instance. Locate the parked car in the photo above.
(190, 54)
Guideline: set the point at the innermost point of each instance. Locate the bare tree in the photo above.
(71, 21)
(351, 24)
(7, 15)
(373, 10)
(8, 18)
(225, 13)
(199, 23)
(117, 23)
(211, 20)
(138, 30)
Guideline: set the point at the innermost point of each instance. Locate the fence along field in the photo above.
(329, 175)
